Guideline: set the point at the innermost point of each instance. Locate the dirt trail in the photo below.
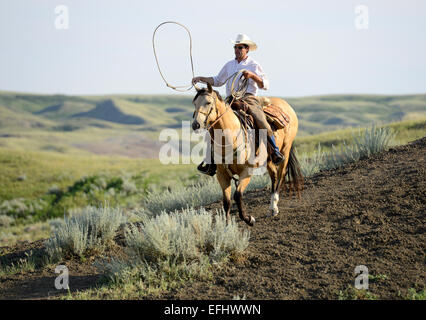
(368, 213)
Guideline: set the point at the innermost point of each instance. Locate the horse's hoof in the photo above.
(251, 222)
(272, 213)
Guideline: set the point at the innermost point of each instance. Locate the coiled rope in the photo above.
(237, 92)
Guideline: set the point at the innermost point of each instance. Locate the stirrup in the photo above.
(277, 157)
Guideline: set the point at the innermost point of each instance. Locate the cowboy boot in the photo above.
(208, 168)
(276, 155)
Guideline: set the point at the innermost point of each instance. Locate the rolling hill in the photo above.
(81, 124)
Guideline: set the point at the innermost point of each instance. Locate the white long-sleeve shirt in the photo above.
(233, 66)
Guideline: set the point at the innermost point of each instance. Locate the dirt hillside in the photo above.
(368, 213)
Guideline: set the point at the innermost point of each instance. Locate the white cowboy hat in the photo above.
(244, 39)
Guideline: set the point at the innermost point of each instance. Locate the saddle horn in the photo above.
(209, 87)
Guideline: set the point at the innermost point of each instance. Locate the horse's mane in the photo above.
(206, 92)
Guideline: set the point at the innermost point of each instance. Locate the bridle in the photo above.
(213, 106)
(207, 114)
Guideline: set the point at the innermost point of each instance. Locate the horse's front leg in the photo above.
(225, 184)
(238, 197)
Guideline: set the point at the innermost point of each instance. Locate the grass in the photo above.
(21, 266)
(377, 278)
(413, 294)
(166, 248)
(24, 233)
(351, 293)
(32, 261)
(46, 169)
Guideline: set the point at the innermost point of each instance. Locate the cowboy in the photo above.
(256, 80)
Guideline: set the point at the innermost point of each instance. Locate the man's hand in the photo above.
(195, 80)
(248, 74)
(251, 75)
(203, 79)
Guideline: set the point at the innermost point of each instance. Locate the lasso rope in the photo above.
(190, 55)
(236, 92)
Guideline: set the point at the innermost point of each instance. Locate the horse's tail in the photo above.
(293, 174)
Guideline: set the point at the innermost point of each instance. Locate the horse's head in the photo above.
(205, 107)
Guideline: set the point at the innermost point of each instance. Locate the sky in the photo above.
(305, 47)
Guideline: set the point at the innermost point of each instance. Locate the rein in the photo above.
(217, 119)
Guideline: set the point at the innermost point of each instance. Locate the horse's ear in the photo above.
(197, 87)
(209, 87)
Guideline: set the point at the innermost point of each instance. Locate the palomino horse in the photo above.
(212, 112)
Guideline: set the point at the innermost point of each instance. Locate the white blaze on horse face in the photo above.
(203, 104)
(275, 197)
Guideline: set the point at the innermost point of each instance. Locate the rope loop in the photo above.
(177, 88)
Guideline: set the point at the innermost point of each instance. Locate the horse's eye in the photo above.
(208, 103)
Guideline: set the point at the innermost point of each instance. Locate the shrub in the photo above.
(92, 230)
(6, 221)
(182, 197)
(176, 247)
(21, 208)
(310, 166)
(259, 182)
(195, 196)
(372, 140)
(185, 235)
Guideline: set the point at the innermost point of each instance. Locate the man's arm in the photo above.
(216, 81)
(251, 75)
(203, 79)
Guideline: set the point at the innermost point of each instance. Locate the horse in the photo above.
(211, 112)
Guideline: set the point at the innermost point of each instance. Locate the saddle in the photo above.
(276, 118)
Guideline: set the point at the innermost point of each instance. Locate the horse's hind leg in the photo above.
(273, 173)
(238, 197)
(279, 180)
(283, 167)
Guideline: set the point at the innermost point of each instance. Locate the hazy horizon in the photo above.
(264, 93)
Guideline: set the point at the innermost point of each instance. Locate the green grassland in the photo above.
(59, 153)
(43, 170)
